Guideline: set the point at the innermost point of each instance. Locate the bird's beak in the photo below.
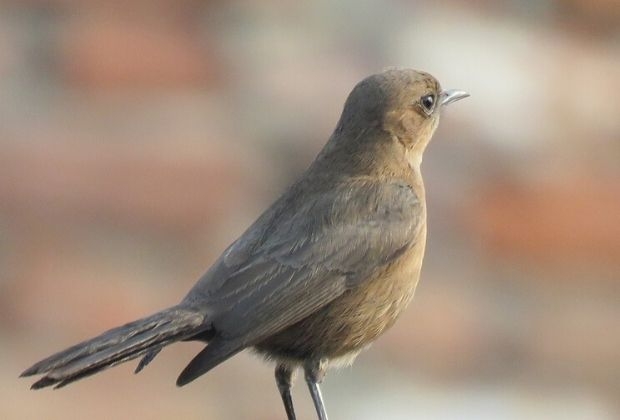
(448, 96)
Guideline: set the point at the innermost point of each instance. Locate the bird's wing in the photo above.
(293, 262)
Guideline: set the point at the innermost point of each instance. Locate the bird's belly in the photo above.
(352, 321)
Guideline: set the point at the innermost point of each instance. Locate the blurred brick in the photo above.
(137, 189)
(578, 218)
(599, 17)
(106, 50)
(77, 283)
(111, 205)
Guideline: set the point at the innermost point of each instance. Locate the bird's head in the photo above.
(405, 104)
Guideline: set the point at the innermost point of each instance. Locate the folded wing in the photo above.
(300, 255)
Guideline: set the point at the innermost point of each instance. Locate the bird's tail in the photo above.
(144, 337)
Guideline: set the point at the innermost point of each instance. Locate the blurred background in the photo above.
(139, 138)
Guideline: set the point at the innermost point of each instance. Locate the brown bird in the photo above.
(322, 272)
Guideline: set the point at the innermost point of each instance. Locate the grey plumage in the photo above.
(116, 346)
(302, 254)
(322, 272)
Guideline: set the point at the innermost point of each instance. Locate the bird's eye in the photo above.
(428, 103)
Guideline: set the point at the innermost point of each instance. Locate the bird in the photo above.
(321, 273)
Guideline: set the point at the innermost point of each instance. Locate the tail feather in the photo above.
(215, 353)
(146, 359)
(144, 337)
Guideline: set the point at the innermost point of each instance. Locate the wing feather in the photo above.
(304, 252)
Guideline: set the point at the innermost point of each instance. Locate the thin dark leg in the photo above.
(284, 379)
(315, 372)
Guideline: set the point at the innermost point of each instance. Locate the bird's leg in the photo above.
(284, 379)
(315, 372)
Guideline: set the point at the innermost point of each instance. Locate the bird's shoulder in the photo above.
(305, 213)
(330, 228)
